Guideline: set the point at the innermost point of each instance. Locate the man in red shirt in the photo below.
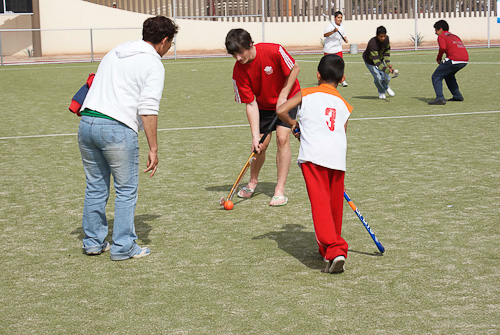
(264, 77)
(456, 59)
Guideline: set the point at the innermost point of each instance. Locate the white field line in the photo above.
(246, 125)
(169, 62)
(419, 116)
(399, 62)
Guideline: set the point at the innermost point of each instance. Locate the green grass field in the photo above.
(426, 178)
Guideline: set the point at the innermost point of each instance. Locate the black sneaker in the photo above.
(438, 102)
(456, 99)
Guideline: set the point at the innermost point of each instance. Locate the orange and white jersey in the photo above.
(322, 116)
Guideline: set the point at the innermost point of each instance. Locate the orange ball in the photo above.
(228, 205)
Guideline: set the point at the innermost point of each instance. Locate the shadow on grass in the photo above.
(301, 245)
(297, 243)
(142, 228)
(262, 188)
(376, 253)
(426, 100)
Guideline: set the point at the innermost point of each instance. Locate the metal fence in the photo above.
(18, 46)
(303, 10)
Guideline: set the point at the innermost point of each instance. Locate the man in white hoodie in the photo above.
(123, 99)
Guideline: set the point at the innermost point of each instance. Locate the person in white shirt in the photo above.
(321, 128)
(123, 99)
(334, 34)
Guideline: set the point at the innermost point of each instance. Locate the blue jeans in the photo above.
(380, 78)
(446, 70)
(109, 147)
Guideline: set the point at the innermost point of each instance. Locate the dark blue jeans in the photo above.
(446, 70)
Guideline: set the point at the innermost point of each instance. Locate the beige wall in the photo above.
(209, 35)
(15, 42)
(76, 14)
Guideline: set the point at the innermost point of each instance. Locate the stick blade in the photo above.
(222, 201)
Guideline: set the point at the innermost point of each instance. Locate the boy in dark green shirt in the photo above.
(377, 59)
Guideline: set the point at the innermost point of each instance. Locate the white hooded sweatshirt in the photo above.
(128, 83)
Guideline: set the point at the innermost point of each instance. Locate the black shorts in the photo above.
(266, 117)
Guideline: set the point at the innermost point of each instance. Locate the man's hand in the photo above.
(152, 164)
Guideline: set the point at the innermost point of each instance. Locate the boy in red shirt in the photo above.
(264, 77)
(456, 59)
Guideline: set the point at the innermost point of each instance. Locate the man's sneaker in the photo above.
(438, 102)
(336, 265)
(142, 253)
(106, 246)
(390, 92)
(381, 95)
(344, 84)
(456, 99)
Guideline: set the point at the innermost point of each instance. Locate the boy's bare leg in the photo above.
(283, 161)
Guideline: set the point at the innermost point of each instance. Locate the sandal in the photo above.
(245, 189)
(279, 198)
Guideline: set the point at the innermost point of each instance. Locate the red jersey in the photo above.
(452, 46)
(264, 77)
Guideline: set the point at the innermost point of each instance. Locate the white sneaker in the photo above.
(344, 84)
(105, 247)
(390, 92)
(381, 96)
(336, 265)
(145, 251)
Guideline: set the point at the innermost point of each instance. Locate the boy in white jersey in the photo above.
(321, 129)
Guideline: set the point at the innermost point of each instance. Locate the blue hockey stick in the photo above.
(367, 226)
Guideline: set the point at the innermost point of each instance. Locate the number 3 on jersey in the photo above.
(330, 122)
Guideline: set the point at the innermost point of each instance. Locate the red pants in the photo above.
(338, 54)
(325, 188)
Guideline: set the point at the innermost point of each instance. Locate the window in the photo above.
(15, 6)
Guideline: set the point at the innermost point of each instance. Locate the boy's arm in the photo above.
(328, 34)
(252, 110)
(442, 49)
(283, 110)
(150, 124)
(330, 30)
(384, 65)
(387, 55)
(287, 87)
